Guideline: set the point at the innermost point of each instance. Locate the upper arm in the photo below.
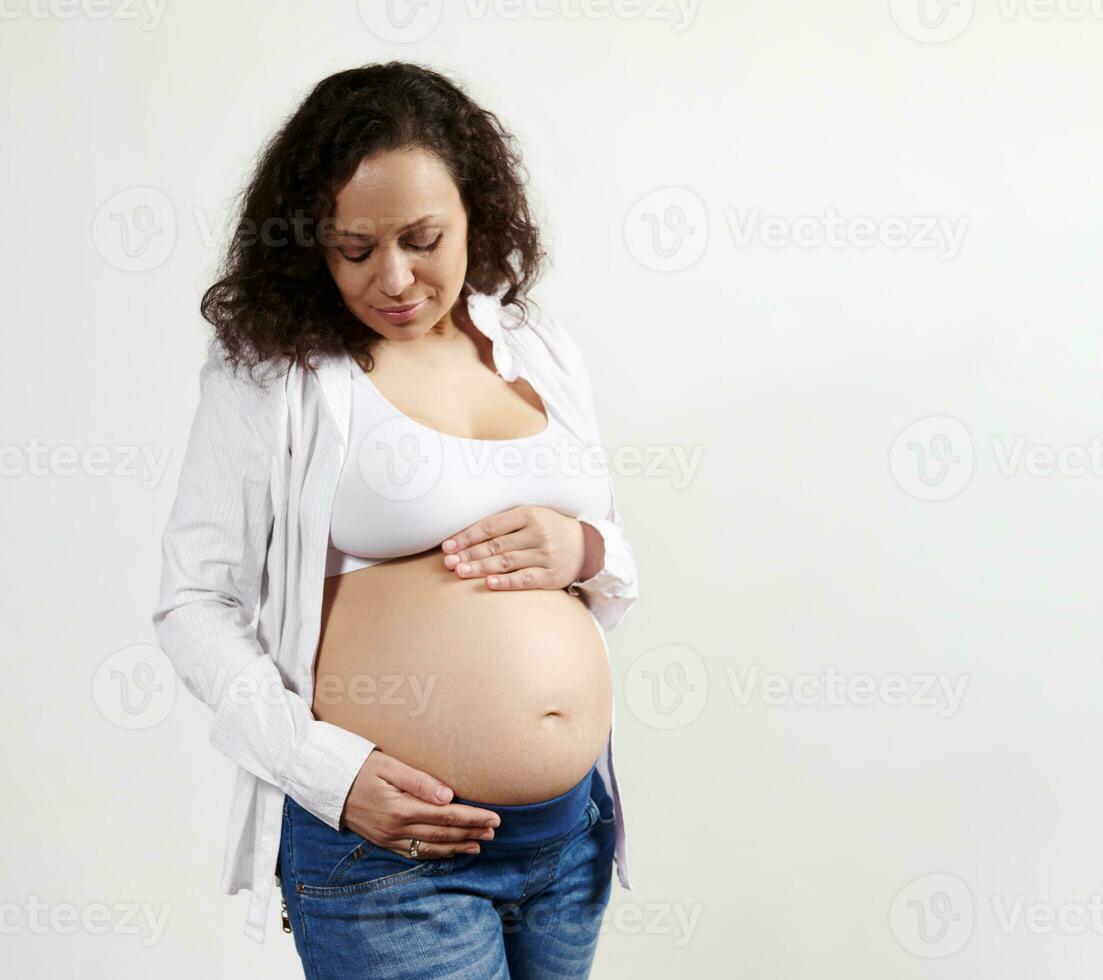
(216, 537)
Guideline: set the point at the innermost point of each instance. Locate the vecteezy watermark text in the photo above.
(40, 460)
(829, 687)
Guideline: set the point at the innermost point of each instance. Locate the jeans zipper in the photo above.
(283, 914)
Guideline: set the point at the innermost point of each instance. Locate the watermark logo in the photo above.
(400, 21)
(37, 459)
(932, 916)
(944, 234)
(37, 917)
(936, 21)
(363, 690)
(135, 230)
(1019, 457)
(135, 687)
(1045, 919)
(400, 460)
(1050, 9)
(667, 687)
(667, 230)
(833, 689)
(932, 21)
(147, 13)
(932, 459)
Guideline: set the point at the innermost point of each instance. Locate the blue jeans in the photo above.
(529, 905)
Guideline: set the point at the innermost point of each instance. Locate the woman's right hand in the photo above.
(390, 802)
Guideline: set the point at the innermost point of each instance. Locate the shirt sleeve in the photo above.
(214, 549)
(614, 588)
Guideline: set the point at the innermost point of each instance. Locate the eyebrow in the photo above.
(340, 233)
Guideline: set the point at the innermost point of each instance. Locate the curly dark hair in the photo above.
(275, 299)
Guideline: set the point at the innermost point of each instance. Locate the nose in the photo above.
(394, 273)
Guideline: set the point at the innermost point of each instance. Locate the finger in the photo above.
(448, 837)
(488, 527)
(413, 781)
(437, 841)
(514, 541)
(526, 578)
(507, 561)
(428, 851)
(465, 819)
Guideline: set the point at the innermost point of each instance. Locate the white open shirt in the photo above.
(249, 527)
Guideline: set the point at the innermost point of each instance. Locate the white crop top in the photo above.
(405, 487)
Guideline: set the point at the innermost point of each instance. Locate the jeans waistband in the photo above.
(529, 824)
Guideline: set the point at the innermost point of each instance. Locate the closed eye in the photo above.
(417, 248)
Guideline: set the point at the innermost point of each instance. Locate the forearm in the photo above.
(258, 722)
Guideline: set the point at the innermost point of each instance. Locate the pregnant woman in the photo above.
(395, 550)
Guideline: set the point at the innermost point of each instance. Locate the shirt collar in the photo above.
(487, 313)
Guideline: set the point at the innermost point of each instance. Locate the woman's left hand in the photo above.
(526, 548)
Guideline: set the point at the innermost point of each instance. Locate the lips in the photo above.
(402, 314)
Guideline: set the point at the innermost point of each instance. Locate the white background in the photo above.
(767, 838)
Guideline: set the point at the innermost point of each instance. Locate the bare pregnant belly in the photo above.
(503, 696)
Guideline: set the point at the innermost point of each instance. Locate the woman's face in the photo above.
(397, 237)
